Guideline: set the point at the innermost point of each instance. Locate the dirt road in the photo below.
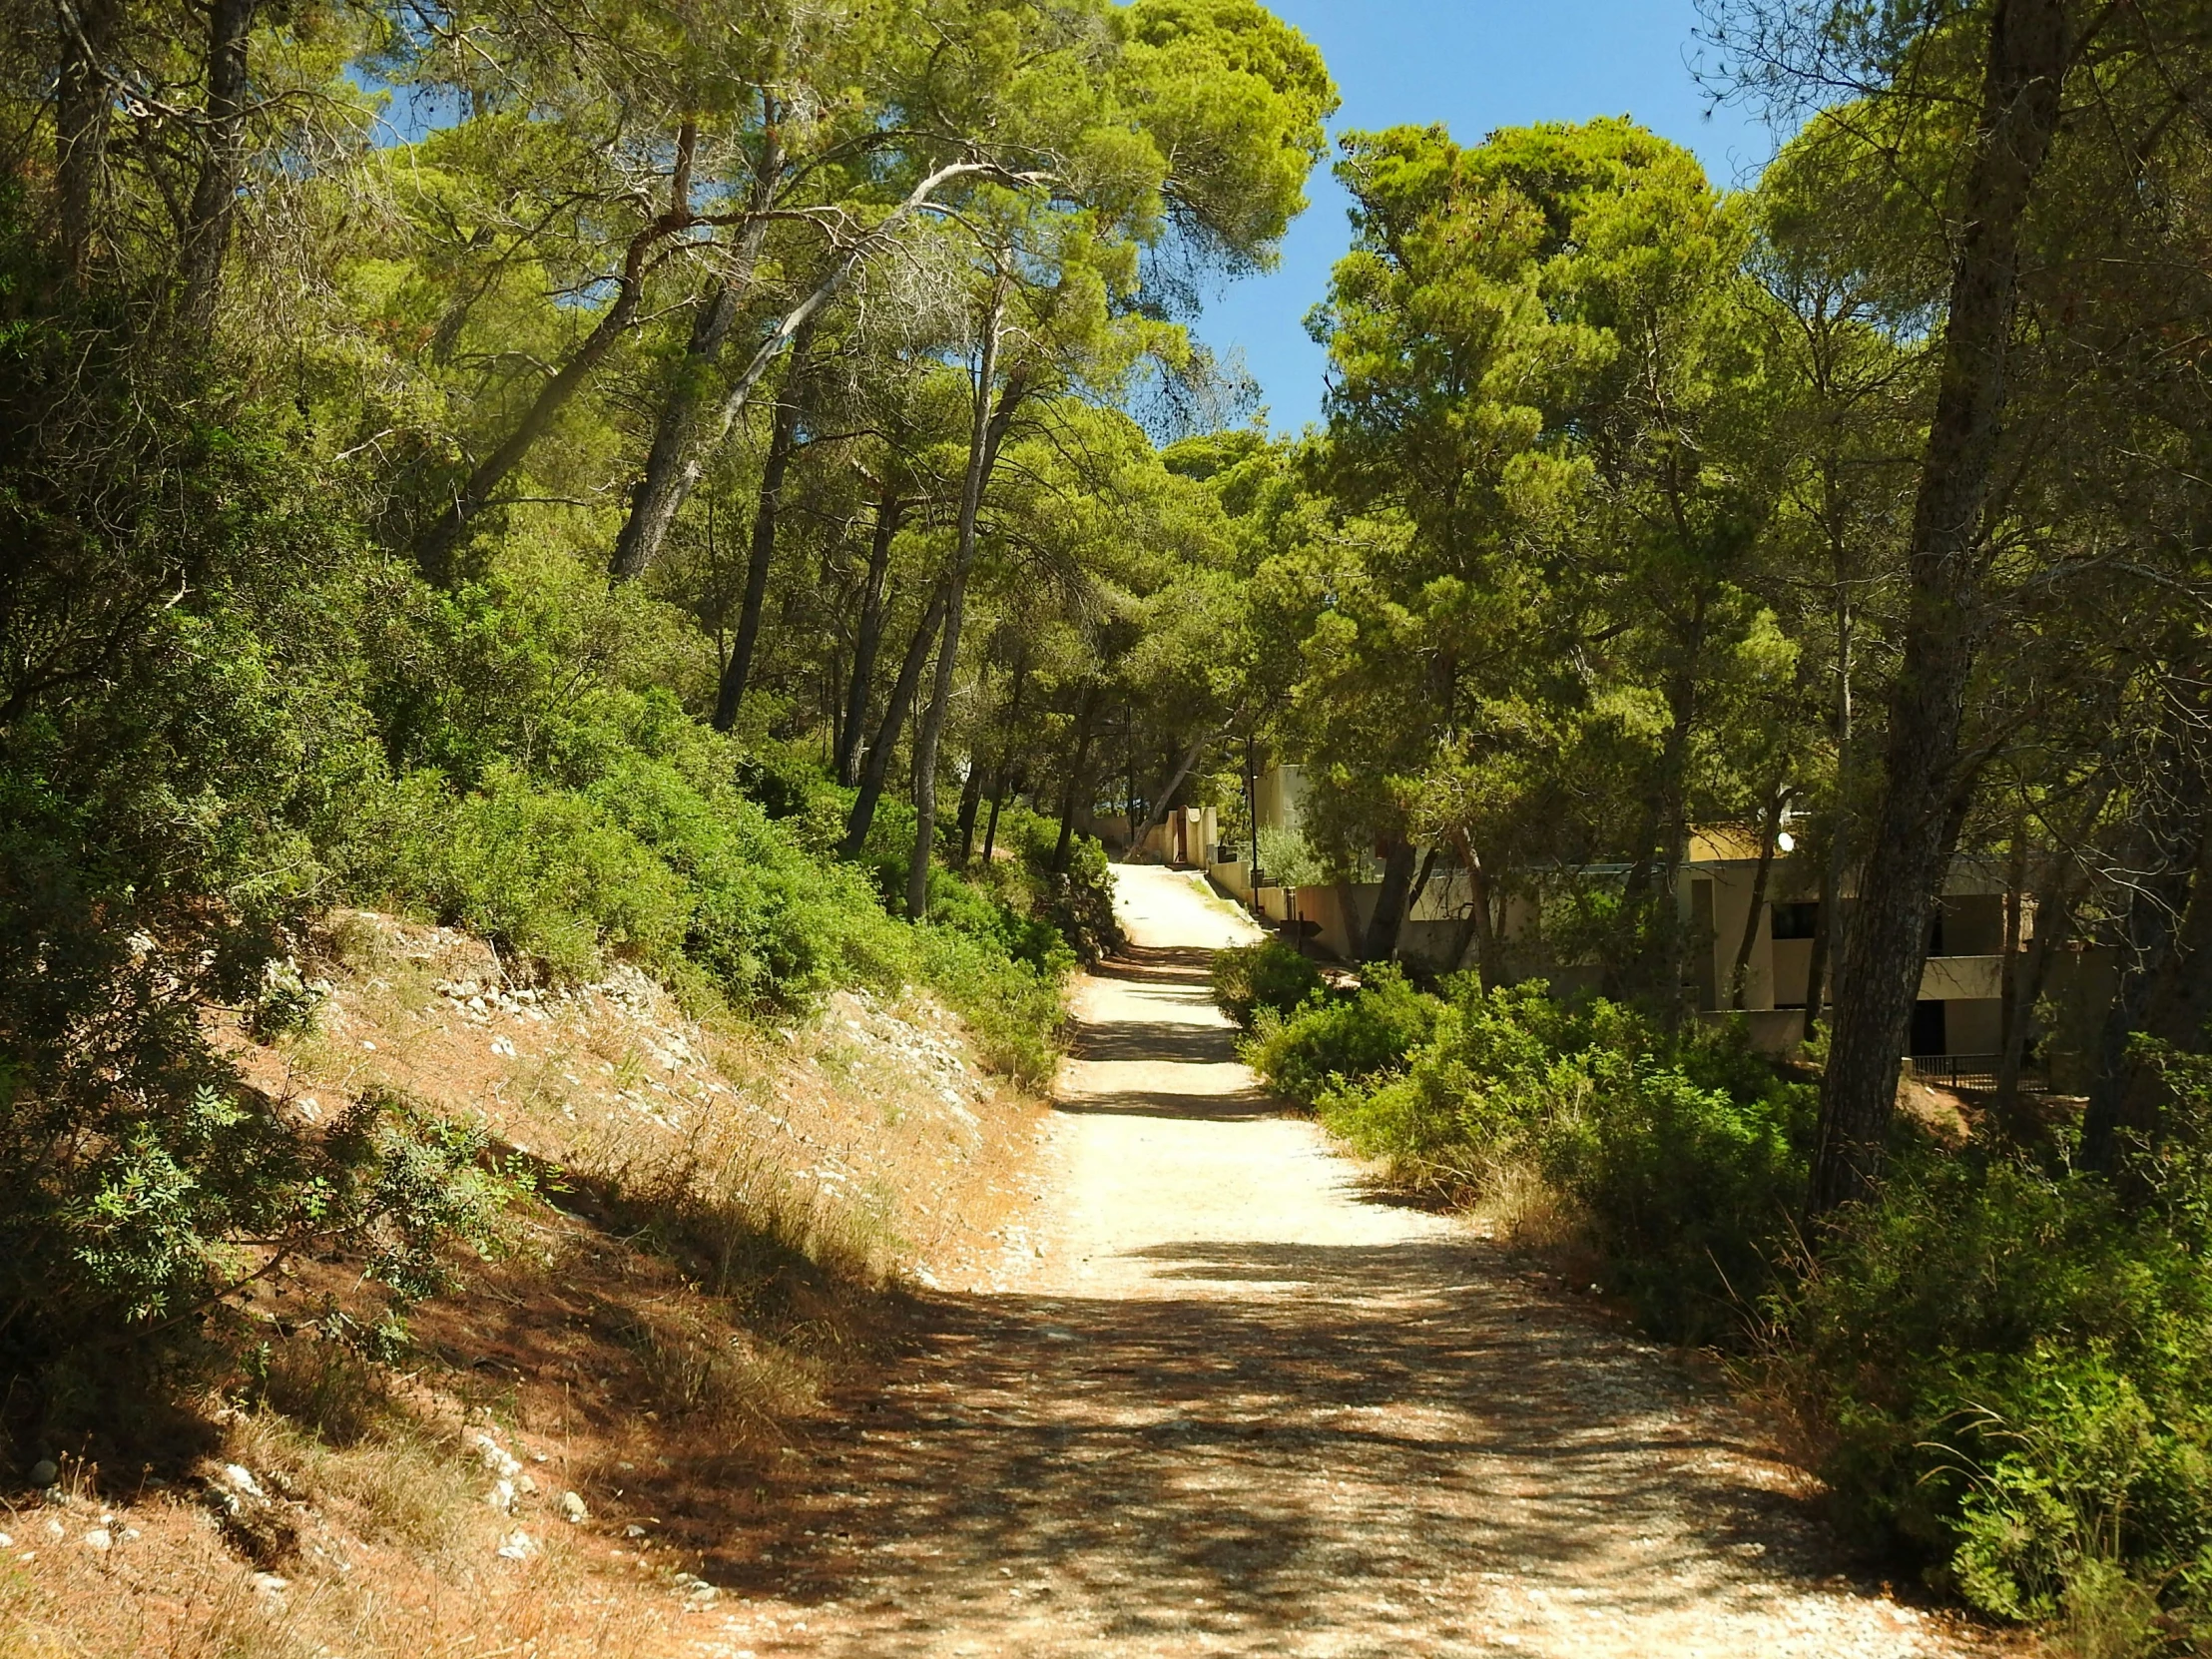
(1223, 1401)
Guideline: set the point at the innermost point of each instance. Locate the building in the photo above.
(1957, 1019)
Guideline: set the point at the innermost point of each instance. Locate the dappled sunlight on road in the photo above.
(1241, 1406)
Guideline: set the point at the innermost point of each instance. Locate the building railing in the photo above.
(1963, 1071)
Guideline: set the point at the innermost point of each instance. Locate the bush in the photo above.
(1681, 1154)
(1329, 1043)
(1270, 975)
(2017, 1374)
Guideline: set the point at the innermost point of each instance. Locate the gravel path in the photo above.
(1223, 1401)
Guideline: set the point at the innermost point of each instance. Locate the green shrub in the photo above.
(1329, 1043)
(1683, 1154)
(1247, 978)
(2016, 1372)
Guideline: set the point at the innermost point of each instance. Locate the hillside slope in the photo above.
(561, 1455)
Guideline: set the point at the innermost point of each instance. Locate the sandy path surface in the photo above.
(1221, 1400)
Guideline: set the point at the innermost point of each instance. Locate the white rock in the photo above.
(526, 1486)
(572, 1510)
(502, 1463)
(55, 1529)
(6, 1543)
(99, 1538)
(517, 1546)
(241, 1479)
(502, 1497)
(269, 1583)
(502, 1047)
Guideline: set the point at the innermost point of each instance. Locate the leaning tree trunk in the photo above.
(2030, 52)
(985, 437)
(676, 469)
(1380, 944)
(1160, 807)
(653, 502)
(867, 639)
(783, 439)
(206, 237)
(876, 766)
(435, 549)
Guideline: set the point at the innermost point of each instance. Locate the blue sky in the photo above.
(1474, 65)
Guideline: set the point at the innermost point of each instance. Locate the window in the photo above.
(1795, 922)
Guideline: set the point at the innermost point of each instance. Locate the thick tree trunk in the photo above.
(2029, 55)
(206, 233)
(971, 803)
(1383, 926)
(1011, 786)
(1770, 828)
(876, 766)
(986, 434)
(868, 642)
(1071, 798)
(2170, 858)
(2175, 1012)
(1477, 928)
(82, 100)
(783, 439)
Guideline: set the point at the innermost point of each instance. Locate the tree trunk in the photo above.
(2170, 859)
(2028, 56)
(1073, 797)
(674, 432)
(1770, 828)
(675, 469)
(1476, 929)
(1183, 764)
(1383, 926)
(436, 548)
(206, 233)
(1011, 786)
(867, 641)
(971, 803)
(2012, 1018)
(783, 438)
(82, 100)
(985, 435)
(999, 765)
(2175, 1012)
(875, 768)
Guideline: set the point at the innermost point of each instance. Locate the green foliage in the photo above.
(1331, 1042)
(2017, 1369)
(1682, 1156)
(1268, 976)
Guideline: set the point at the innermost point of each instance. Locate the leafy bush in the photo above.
(1270, 975)
(2017, 1374)
(1681, 1154)
(1334, 1042)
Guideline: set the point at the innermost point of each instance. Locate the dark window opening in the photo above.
(1795, 922)
(1929, 1035)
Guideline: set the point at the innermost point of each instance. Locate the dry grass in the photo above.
(727, 1219)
